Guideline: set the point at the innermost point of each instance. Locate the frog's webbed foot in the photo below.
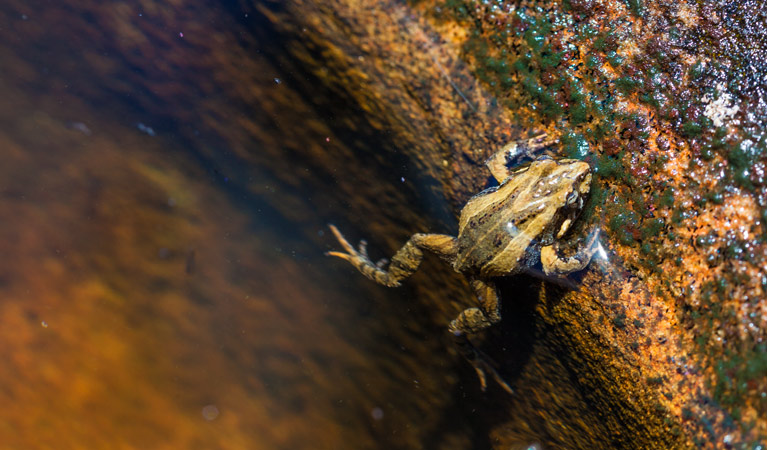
(482, 363)
(362, 252)
(473, 320)
(359, 258)
(351, 254)
(516, 150)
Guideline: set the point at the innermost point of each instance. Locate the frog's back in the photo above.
(488, 227)
(501, 229)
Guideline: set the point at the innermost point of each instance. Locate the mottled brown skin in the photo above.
(501, 231)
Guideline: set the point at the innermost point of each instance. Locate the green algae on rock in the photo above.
(670, 98)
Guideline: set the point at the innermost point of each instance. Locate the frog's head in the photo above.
(567, 183)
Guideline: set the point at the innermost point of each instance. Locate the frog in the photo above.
(502, 231)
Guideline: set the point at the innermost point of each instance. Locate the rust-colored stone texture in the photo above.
(377, 116)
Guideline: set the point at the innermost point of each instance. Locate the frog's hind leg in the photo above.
(530, 148)
(403, 263)
(473, 320)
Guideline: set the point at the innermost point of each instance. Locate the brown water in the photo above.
(162, 229)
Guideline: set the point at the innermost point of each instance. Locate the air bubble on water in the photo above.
(210, 412)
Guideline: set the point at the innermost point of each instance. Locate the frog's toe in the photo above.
(503, 383)
(341, 240)
(363, 248)
(382, 262)
(482, 378)
(483, 365)
(341, 255)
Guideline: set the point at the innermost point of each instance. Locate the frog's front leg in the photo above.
(553, 264)
(403, 263)
(473, 320)
(499, 162)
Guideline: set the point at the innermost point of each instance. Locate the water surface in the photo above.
(163, 283)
